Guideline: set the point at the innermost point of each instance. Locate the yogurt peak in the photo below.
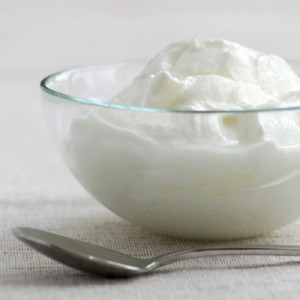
(212, 75)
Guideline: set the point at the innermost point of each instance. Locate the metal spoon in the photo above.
(106, 262)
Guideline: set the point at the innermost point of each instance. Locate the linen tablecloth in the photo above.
(36, 189)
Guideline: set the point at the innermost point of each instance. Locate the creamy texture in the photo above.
(196, 175)
(212, 75)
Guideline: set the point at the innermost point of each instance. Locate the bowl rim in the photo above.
(99, 103)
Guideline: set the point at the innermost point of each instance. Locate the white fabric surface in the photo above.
(36, 189)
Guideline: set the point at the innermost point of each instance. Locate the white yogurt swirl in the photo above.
(196, 175)
(212, 75)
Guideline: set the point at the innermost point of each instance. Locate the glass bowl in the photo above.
(190, 174)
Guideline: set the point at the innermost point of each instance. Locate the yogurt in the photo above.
(233, 173)
(212, 75)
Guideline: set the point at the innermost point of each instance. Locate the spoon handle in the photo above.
(271, 250)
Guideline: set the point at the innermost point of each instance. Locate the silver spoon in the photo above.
(106, 262)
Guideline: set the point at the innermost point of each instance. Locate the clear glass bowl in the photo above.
(201, 175)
